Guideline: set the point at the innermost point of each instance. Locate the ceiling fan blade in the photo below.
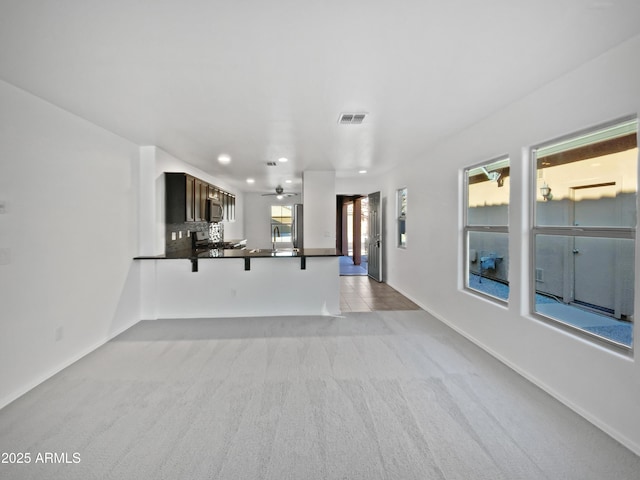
(279, 194)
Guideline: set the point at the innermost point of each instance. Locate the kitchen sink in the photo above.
(276, 251)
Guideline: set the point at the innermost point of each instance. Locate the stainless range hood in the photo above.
(216, 211)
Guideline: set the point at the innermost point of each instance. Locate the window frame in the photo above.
(569, 231)
(468, 228)
(279, 243)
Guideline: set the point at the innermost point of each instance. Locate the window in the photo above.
(281, 220)
(402, 218)
(584, 232)
(486, 223)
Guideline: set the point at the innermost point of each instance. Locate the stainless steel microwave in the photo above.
(216, 211)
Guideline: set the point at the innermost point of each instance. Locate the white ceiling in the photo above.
(260, 79)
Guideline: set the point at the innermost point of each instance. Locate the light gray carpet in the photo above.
(384, 395)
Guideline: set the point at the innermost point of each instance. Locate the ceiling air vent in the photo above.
(351, 118)
(271, 164)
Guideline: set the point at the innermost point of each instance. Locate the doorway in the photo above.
(375, 237)
(595, 260)
(352, 227)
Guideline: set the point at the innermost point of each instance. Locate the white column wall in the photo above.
(150, 229)
(319, 200)
(67, 282)
(598, 383)
(257, 218)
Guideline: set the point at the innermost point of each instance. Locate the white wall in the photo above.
(257, 218)
(319, 200)
(360, 185)
(68, 235)
(602, 385)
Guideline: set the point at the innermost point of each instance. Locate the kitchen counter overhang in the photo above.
(247, 254)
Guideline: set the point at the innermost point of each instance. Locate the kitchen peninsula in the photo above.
(240, 282)
(185, 271)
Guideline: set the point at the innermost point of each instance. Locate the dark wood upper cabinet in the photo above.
(200, 190)
(187, 198)
(179, 194)
(190, 199)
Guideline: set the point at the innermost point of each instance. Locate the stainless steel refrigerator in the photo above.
(297, 236)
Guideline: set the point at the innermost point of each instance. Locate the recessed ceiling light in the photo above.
(283, 159)
(288, 181)
(224, 159)
(250, 180)
(362, 171)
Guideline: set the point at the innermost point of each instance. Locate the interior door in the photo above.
(375, 237)
(594, 259)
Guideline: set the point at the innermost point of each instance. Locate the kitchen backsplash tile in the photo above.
(183, 243)
(216, 232)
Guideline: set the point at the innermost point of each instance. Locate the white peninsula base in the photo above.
(223, 288)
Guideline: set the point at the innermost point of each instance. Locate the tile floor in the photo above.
(362, 294)
(348, 268)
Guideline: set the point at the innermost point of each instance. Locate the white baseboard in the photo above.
(606, 428)
(7, 399)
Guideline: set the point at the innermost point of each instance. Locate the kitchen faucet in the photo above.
(276, 230)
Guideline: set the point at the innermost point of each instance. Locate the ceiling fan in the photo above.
(279, 194)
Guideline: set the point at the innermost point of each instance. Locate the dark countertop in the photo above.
(244, 253)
